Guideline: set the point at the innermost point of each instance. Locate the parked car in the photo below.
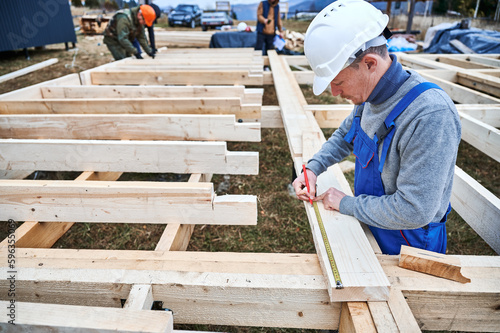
(185, 15)
(214, 20)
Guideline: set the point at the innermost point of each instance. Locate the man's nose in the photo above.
(335, 90)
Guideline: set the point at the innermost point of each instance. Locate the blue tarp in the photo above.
(233, 39)
(480, 41)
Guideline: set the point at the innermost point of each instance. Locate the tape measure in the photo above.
(335, 270)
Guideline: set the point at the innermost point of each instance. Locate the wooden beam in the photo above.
(291, 107)
(146, 77)
(140, 298)
(478, 207)
(71, 318)
(482, 82)
(355, 317)
(437, 264)
(247, 95)
(487, 113)
(34, 90)
(128, 127)
(28, 69)
(482, 136)
(45, 234)
(440, 304)
(123, 202)
(125, 156)
(246, 289)
(176, 236)
(484, 59)
(227, 105)
(460, 94)
(401, 312)
(15, 174)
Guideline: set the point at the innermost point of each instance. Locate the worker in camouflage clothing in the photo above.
(126, 26)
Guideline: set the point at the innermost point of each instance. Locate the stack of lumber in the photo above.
(94, 24)
(182, 38)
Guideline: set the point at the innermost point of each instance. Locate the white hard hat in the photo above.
(242, 26)
(339, 33)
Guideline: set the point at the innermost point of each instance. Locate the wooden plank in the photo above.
(355, 317)
(461, 94)
(487, 113)
(463, 62)
(140, 298)
(401, 312)
(482, 136)
(437, 264)
(382, 317)
(440, 304)
(482, 82)
(246, 289)
(34, 90)
(330, 116)
(125, 156)
(271, 117)
(146, 77)
(270, 290)
(226, 105)
(483, 59)
(15, 174)
(128, 127)
(45, 234)
(478, 207)
(291, 107)
(247, 95)
(461, 46)
(176, 236)
(28, 69)
(70, 318)
(123, 202)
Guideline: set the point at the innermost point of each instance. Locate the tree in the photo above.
(92, 3)
(76, 3)
(111, 5)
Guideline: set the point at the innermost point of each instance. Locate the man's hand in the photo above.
(331, 198)
(299, 184)
(138, 56)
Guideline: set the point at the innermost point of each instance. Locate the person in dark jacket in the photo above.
(126, 26)
(268, 20)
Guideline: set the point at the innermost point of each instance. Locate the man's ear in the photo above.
(370, 61)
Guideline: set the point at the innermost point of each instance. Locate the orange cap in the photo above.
(149, 14)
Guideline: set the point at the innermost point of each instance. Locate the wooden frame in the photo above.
(280, 290)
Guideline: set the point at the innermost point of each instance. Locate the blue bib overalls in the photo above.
(367, 179)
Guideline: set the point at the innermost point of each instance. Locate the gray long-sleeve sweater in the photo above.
(418, 172)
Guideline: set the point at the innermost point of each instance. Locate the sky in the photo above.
(204, 4)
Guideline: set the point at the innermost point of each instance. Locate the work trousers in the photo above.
(264, 42)
(116, 49)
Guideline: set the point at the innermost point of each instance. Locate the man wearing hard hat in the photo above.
(126, 26)
(404, 131)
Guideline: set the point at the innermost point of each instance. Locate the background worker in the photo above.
(151, 32)
(268, 20)
(405, 140)
(126, 26)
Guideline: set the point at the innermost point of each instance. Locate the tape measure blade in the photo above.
(331, 258)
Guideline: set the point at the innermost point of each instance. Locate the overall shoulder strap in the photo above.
(386, 130)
